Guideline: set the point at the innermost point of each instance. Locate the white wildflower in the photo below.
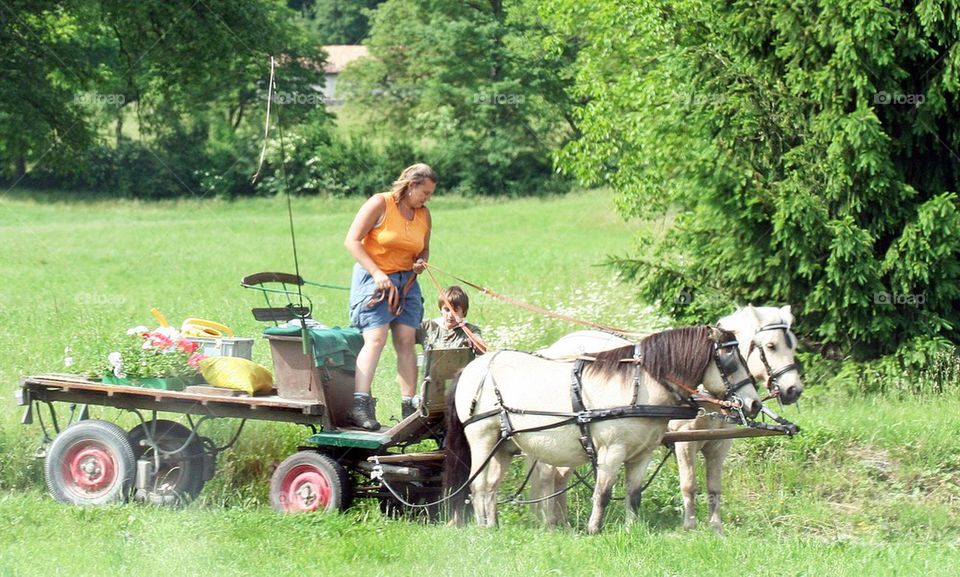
(116, 361)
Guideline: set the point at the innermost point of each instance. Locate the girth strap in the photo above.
(583, 420)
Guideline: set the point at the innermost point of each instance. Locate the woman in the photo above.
(390, 240)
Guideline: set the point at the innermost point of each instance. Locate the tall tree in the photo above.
(465, 82)
(337, 21)
(43, 76)
(189, 72)
(802, 152)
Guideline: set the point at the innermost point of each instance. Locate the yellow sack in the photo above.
(237, 373)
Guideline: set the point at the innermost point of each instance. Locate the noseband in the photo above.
(727, 357)
(772, 375)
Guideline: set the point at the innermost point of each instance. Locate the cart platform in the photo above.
(75, 389)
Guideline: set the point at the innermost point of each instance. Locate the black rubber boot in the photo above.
(363, 413)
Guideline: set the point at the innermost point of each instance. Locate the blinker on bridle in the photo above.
(727, 363)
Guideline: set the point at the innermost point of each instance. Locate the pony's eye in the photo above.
(772, 346)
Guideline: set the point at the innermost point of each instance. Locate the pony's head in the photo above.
(769, 346)
(728, 377)
(688, 357)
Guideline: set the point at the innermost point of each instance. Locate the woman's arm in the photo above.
(367, 217)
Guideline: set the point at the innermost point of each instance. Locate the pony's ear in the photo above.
(752, 313)
(786, 315)
(716, 334)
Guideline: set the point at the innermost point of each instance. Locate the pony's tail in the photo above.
(456, 462)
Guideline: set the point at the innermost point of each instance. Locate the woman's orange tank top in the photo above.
(395, 242)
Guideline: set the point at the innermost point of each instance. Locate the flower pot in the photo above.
(165, 383)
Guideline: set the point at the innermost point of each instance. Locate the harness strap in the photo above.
(583, 420)
(476, 396)
(638, 360)
(482, 416)
(648, 411)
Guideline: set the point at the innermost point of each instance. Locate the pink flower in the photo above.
(195, 358)
(186, 346)
(159, 341)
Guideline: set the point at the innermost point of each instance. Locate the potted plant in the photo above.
(157, 359)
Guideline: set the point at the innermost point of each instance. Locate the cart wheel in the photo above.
(308, 481)
(90, 463)
(179, 477)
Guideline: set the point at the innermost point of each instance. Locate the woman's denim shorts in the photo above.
(362, 289)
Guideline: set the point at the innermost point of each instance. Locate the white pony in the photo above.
(611, 410)
(767, 344)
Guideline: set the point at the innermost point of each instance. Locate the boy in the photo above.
(446, 331)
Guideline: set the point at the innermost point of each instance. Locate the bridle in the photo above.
(773, 376)
(727, 357)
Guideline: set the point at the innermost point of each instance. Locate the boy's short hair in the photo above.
(457, 297)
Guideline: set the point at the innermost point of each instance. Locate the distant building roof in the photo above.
(338, 56)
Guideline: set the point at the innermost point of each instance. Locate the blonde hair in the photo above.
(411, 176)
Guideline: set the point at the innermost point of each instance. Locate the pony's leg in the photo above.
(687, 467)
(552, 480)
(636, 473)
(608, 464)
(559, 503)
(484, 487)
(715, 453)
(541, 479)
(547, 480)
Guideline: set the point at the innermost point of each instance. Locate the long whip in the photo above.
(304, 333)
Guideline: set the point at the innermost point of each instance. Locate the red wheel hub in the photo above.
(305, 488)
(89, 467)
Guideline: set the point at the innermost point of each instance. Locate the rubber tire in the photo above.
(106, 447)
(325, 480)
(186, 467)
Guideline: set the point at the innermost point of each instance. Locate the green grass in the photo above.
(870, 487)
(142, 541)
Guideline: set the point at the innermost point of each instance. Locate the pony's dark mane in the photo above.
(679, 355)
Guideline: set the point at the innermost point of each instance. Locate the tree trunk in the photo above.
(119, 126)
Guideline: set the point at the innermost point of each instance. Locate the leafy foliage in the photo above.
(185, 73)
(806, 149)
(468, 86)
(337, 21)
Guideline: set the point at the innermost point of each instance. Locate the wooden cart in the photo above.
(160, 460)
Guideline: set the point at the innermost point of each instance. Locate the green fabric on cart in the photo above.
(332, 348)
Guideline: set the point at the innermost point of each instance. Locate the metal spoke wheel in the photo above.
(308, 481)
(179, 476)
(90, 463)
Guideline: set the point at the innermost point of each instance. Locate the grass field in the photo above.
(871, 486)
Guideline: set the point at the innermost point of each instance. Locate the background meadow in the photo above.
(871, 485)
